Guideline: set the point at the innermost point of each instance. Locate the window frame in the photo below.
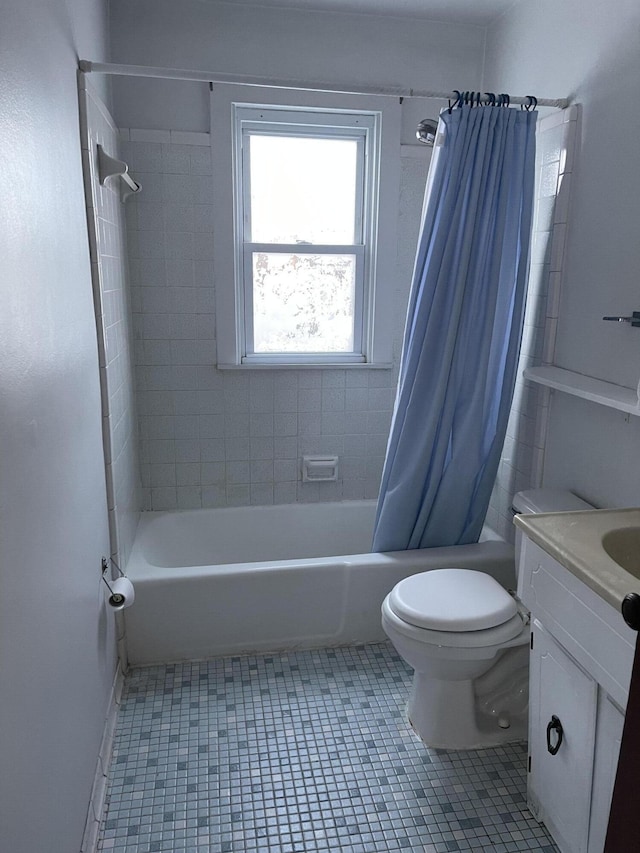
(251, 120)
(234, 111)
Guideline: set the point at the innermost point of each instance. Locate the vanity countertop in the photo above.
(575, 540)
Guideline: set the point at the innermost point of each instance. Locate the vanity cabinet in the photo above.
(563, 707)
(581, 659)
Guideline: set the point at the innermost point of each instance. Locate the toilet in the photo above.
(467, 640)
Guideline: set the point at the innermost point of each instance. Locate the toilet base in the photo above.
(461, 726)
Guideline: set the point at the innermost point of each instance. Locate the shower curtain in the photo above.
(463, 329)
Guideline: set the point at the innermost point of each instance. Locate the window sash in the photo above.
(357, 354)
(288, 129)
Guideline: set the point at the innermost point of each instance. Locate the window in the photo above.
(305, 238)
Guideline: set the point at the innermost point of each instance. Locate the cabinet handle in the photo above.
(556, 726)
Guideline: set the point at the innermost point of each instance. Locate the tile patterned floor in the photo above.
(307, 751)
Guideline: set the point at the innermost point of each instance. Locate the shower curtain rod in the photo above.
(245, 80)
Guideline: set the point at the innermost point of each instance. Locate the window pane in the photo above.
(303, 303)
(303, 189)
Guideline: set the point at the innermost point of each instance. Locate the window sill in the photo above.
(307, 365)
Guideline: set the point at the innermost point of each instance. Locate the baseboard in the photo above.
(99, 788)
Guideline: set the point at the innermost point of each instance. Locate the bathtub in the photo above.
(268, 578)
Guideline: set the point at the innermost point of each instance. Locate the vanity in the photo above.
(574, 571)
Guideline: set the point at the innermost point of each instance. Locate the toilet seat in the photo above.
(452, 600)
(471, 644)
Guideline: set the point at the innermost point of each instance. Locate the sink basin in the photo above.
(623, 546)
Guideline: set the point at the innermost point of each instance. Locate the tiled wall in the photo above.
(226, 438)
(107, 238)
(522, 459)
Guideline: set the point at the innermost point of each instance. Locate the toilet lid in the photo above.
(452, 600)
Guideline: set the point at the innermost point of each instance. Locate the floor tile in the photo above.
(303, 752)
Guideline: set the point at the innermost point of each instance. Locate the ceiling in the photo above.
(477, 12)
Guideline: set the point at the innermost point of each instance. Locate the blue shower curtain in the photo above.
(463, 330)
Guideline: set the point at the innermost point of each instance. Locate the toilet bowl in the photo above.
(467, 640)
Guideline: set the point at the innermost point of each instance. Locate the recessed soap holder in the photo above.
(319, 469)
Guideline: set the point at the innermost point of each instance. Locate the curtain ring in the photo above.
(491, 99)
(533, 102)
(456, 92)
(507, 100)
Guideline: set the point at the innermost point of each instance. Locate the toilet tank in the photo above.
(547, 500)
(543, 500)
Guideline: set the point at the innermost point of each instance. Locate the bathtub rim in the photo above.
(140, 570)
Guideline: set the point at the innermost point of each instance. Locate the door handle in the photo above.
(554, 725)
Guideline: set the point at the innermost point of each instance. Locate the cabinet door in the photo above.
(608, 739)
(560, 784)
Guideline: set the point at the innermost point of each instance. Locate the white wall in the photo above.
(589, 50)
(56, 641)
(215, 439)
(282, 43)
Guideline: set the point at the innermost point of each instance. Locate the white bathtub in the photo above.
(225, 581)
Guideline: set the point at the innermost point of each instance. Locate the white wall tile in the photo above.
(189, 497)
(261, 494)
(261, 447)
(261, 471)
(107, 241)
(237, 495)
(164, 498)
(186, 427)
(237, 472)
(212, 473)
(188, 474)
(285, 424)
(522, 458)
(257, 423)
(333, 399)
(212, 449)
(285, 493)
(285, 470)
(184, 450)
(285, 447)
(142, 135)
(163, 474)
(176, 159)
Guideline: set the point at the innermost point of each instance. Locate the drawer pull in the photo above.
(556, 726)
